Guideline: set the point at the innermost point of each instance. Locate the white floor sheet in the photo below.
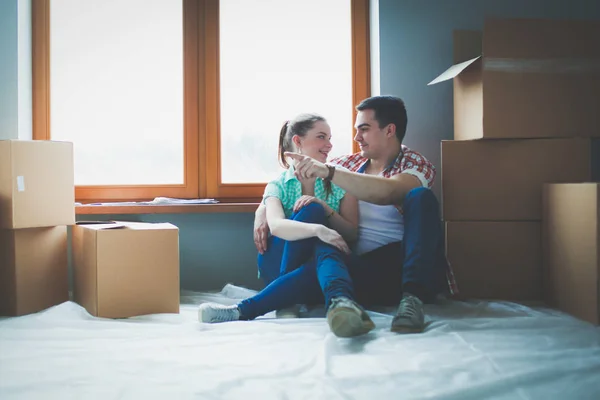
(473, 350)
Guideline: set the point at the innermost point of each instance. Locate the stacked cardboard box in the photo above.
(571, 244)
(526, 110)
(120, 269)
(37, 203)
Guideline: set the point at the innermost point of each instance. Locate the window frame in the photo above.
(202, 157)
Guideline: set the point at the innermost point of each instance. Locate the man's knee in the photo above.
(313, 212)
(420, 195)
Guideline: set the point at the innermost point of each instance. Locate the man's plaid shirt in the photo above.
(407, 162)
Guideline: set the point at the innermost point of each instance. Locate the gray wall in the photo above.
(8, 69)
(416, 46)
(15, 69)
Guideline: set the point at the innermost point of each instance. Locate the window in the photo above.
(186, 98)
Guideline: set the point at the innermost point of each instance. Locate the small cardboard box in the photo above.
(36, 184)
(126, 269)
(496, 260)
(533, 79)
(501, 180)
(571, 248)
(33, 269)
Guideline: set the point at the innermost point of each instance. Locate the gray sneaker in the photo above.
(410, 317)
(211, 313)
(348, 319)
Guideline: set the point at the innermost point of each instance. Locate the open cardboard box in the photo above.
(531, 78)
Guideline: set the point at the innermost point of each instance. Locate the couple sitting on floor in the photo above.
(360, 230)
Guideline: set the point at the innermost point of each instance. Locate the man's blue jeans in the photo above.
(304, 271)
(416, 264)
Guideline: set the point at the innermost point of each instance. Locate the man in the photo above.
(399, 255)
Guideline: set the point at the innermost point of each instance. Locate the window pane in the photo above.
(117, 89)
(280, 58)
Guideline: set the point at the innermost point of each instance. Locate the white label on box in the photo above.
(21, 183)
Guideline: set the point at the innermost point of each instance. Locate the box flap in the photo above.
(146, 225)
(453, 71)
(105, 225)
(101, 225)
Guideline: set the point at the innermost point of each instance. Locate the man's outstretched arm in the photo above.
(369, 188)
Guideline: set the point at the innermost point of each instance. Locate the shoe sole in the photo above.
(287, 315)
(345, 323)
(406, 329)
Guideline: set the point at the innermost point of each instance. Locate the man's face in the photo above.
(369, 136)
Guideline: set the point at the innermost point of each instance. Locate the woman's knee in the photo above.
(313, 212)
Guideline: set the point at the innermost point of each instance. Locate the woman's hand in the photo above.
(333, 238)
(306, 200)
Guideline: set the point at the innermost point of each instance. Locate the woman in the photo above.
(311, 222)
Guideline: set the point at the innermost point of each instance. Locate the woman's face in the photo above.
(316, 143)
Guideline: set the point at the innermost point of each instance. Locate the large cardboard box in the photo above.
(532, 79)
(496, 260)
(501, 180)
(33, 269)
(125, 269)
(571, 245)
(36, 184)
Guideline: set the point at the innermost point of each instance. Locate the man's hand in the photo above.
(261, 229)
(306, 167)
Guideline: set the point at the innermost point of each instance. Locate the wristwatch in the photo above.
(331, 172)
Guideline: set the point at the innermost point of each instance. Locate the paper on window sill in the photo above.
(156, 201)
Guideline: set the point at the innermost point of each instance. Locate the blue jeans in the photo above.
(283, 256)
(416, 265)
(306, 271)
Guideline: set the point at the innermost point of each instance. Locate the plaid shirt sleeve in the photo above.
(417, 165)
(352, 162)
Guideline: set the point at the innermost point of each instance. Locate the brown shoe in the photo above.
(348, 319)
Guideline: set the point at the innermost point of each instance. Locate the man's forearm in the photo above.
(369, 188)
(374, 189)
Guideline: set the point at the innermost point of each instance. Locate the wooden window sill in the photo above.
(167, 209)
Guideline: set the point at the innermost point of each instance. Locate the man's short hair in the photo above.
(388, 110)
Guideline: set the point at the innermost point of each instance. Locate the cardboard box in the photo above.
(33, 269)
(501, 180)
(532, 79)
(125, 269)
(571, 245)
(36, 184)
(496, 260)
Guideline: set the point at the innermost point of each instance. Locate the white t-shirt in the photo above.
(378, 226)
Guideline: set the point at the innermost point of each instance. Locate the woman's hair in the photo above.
(298, 126)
